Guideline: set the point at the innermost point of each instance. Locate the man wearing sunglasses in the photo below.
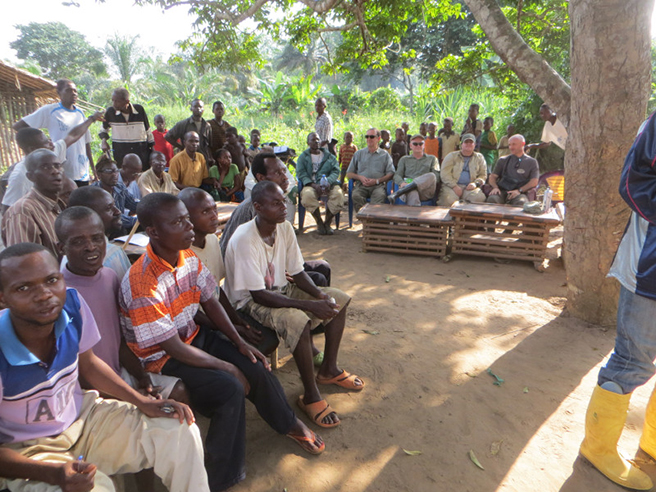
(371, 169)
(417, 175)
(463, 173)
(515, 176)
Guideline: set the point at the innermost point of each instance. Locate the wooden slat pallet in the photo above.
(500, 231)
(419, 231)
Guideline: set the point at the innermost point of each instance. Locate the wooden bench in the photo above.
(419, 231)
(501, 231)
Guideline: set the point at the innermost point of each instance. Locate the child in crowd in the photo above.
(346, 152)
(432, 144)
(236, 149)
(504, 150)
(488, 145)
(161, 144)
(230, 181)
(406, 129)
(399, 147)
(385, 140)
(449, 140)
(423, 129)
(255, 140)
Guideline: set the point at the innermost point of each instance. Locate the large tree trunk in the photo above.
(610, 66)
(529, 66)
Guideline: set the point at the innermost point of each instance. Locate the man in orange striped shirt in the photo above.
(159, 302)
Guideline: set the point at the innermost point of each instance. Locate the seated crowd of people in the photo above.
(187, 326)
(103, 362)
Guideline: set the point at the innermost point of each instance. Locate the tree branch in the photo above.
(529, 66)
(345, 27)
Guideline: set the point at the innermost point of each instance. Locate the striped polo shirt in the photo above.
(158, 299)
(39, 399)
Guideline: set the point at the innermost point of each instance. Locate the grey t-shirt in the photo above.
(523, 169)
(372, 165)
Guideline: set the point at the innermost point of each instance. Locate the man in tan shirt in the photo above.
(188, 167)
(463, 173)
(155, 179)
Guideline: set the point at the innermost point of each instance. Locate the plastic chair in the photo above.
(350, 198)
(432, 202)
(301, 210)
(556, 181)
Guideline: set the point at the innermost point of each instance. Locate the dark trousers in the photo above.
(319, 272)
(220, 396)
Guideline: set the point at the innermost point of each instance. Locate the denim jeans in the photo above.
(632, 362)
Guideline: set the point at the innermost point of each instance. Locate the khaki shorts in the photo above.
(289, 323)
(166, 383)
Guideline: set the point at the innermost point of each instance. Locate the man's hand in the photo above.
(495, 191)
(97, 116)
(146, 388)
(104, 146)
(251, 335)
(76, 476)
(368, 181)
(513, 194)
(254, 355)
(324, 309)
(317, 188)
(457, 190)
(471, 186)
(216, 183)
(166, 408)
(402, 185)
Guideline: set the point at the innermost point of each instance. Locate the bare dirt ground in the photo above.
(435, 328)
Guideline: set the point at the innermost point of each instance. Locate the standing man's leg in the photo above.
(630, 365)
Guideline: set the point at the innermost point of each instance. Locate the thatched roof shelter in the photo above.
(21, 93)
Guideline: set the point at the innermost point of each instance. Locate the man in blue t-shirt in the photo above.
(50, 430)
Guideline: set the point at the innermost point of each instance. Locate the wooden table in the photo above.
(224, 212)
(501, 231)
(403, 229)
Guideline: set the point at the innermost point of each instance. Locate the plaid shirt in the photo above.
(324, 127)
(32, 220)
(157, 300)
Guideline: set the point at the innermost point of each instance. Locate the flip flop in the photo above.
(318, 359)
(307, 442)
(317, 411)
(345, 380)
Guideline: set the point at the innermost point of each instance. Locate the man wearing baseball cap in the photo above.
(463, 174)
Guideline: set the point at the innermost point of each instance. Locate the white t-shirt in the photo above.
(555, 133)
(59, 121)
(253, 265)
(18, 185)
(211, 257)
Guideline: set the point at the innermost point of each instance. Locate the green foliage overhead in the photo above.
(43, 44)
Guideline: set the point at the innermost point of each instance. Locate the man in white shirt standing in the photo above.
(30, 139)
(553, 131)
(59, 118)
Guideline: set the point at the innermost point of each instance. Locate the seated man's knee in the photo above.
(180, 393)
(447, 197)
(494, 199)
(379, 195)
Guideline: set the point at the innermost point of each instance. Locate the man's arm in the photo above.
(89, 153)
(322, 307)
(493, 183)
(302, 172)
(21, 228)
(101, 377)
(129, 360)
(173, 136)
(195, 357)
(69, 476)
(80, 130)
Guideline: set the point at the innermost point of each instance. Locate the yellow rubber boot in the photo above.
(648, 439)
(604, 422)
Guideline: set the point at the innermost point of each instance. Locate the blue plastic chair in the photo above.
(432, 202)
(350, 198)
(301, 210)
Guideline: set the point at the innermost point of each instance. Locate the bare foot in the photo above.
(308, 440)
